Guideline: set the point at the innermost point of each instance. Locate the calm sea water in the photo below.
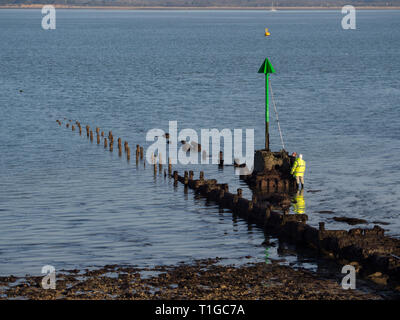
(68, 203)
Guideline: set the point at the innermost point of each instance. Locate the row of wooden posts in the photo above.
(109, 144)
(139, 150)
(352, 245)
(108, 141)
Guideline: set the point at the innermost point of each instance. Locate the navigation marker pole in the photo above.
(266, 68)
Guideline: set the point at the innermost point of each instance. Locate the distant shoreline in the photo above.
(61, 6)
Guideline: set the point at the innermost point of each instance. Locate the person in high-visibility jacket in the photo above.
(299, 205)
(298, 169)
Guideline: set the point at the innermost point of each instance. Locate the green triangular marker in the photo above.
(266, 68)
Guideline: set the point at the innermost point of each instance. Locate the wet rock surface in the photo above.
(350, 221)
(203, 279)
(381, 222)
(326, 212)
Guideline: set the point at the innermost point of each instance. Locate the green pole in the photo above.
(266, 114)
(266, 68)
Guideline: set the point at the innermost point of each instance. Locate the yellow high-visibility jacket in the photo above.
(299, 167)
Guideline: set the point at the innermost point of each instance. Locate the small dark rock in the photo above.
(381, 222)
(351, 221)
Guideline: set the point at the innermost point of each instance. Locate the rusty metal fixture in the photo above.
(321, 230)
(250, 206)
(221, 159)
(160, 162)
(235, 199)
(268, 212)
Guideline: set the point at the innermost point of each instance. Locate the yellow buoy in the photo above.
(267, 33)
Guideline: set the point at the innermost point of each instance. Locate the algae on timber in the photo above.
(370, 248)
(271, 172)
(267, 161)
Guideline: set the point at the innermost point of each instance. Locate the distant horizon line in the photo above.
(133, 7)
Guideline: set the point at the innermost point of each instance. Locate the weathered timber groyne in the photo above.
(369, 250)
(108, 141)
(373, 254)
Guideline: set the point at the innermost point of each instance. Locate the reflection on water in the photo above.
(267, 255)
(298, 202)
